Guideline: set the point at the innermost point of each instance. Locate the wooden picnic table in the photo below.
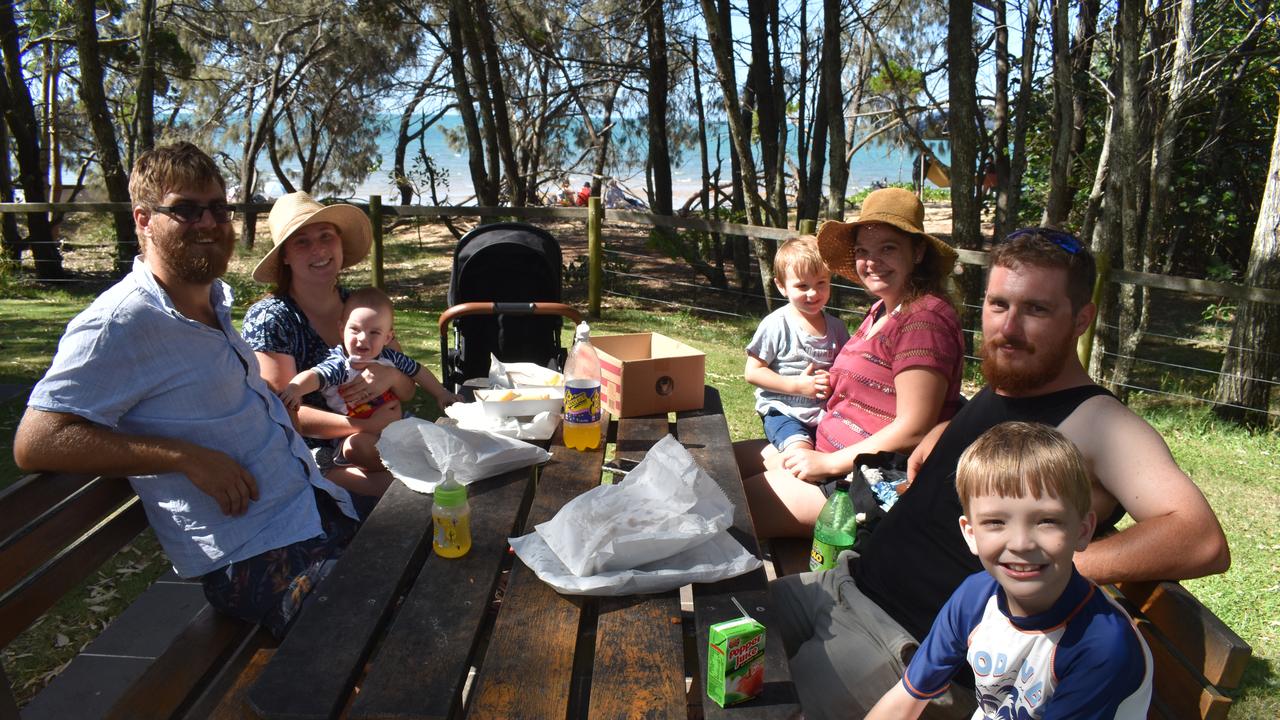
(397, 632)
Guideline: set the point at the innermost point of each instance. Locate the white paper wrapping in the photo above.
(417, 452)
(664, 527)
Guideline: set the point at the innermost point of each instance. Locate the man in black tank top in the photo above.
(850, 631)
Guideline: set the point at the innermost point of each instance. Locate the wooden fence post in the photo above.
(1084, 346)
(808, 226)
(375, 253)
(594, 251)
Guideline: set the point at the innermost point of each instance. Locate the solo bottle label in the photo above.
(581, 414)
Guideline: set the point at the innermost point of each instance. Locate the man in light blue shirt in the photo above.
(153, 381)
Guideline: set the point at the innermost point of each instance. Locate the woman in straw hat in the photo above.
(293, 328)
(896, 378)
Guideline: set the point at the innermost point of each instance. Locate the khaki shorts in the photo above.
(844, 651)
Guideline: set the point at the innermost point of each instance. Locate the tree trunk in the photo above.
(1093, 230)
(1167, 127)
(659, 153)
(803, 134)
(1081, 63)
(963, 119)
(146, 78)
(10, 238)
(496, 88)
(466, 108)
(760, 84)
(832, 63)
(1005, 213)
(778, 188)
(248, 172)
(94, 98)
(1058, 203)
(404, 137)
(1250, 361)
(717, 35)
(1128, 175)
(480, 79)
(1022, 111)
(20, 114)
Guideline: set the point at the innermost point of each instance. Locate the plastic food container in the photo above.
(520, 402)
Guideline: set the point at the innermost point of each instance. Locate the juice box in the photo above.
(735, 661)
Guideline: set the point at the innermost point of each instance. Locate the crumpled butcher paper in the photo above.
(417, 452)
(665, 526)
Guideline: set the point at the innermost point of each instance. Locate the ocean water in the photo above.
(876, 162)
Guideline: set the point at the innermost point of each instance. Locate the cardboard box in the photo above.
(649, 373)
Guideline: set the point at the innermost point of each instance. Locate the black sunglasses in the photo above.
(1069, 243)
(188, 213)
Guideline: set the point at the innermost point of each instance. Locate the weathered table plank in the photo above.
(527, 671)
(423, 663)
(318, 663)
(639, 651)
(706, 436)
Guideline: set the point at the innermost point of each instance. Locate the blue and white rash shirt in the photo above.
(1081, 658)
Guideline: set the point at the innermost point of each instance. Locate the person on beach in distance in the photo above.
(893, 380)
(152, 381)
(294, 327)
(1042, 641)
(788, 357)
(850, 631)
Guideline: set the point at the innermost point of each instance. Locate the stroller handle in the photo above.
(506, 308)
(502, 308)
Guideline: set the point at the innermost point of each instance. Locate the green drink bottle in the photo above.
(836, 528)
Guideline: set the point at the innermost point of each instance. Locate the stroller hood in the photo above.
(506, 262)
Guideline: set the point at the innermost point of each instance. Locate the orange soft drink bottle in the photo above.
(582, 393)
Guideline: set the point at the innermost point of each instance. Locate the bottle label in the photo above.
(826, 549)
(582, 404)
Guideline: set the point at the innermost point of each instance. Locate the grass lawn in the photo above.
(1238, 470)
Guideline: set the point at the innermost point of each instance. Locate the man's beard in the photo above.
(195, 263)
(1043, 366)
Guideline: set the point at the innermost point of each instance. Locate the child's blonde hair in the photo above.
(798, 255)
(370, 297)
(1014, 459)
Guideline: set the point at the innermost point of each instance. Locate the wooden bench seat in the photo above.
(1198, 659)
(56, 531)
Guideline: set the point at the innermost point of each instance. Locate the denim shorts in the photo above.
(783, 430)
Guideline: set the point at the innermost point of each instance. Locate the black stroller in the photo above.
(504, 299)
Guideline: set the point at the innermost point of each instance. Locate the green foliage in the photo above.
(897, 79)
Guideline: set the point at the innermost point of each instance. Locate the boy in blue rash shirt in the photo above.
(1042, 640)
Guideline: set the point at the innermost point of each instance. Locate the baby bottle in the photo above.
(451, 518)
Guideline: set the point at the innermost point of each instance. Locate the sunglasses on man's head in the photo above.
(1069, 243)
(187, 212)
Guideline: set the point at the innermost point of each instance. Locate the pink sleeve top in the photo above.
(863, 398)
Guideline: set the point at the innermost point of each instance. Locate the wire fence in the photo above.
(1180, 356)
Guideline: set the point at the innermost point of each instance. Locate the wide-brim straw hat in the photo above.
(298, 210)
(892, 206)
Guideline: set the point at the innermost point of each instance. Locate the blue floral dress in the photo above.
(276, 324)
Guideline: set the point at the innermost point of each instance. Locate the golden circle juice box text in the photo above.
(735, 661)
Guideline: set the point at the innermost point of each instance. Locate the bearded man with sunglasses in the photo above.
(152, 381)
(849, 632)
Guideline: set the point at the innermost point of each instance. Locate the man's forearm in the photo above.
(68, 443)
(1169, 547)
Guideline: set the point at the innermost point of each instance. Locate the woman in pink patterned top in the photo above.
(897, 377)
